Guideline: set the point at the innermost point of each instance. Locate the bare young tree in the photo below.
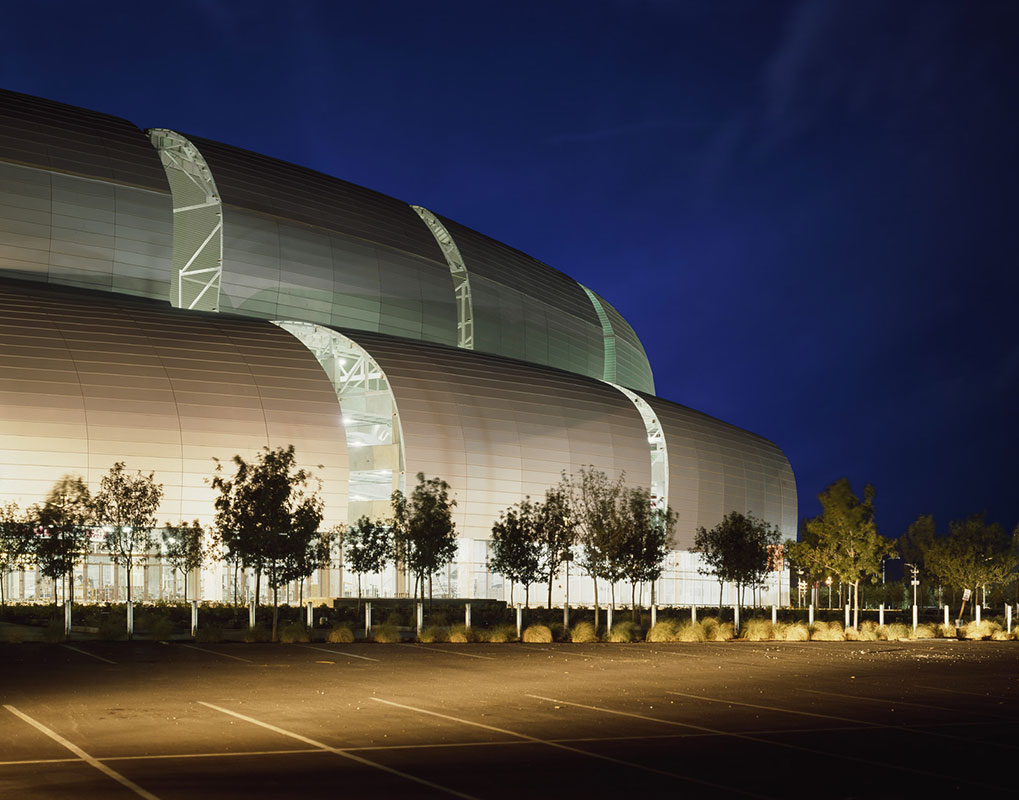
(65, 527)
(185, 548)
(17, 540)
(423, 528)
(515, 546)
(367, 547)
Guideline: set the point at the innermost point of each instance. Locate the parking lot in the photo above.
(841, 719)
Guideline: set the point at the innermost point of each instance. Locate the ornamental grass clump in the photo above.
(691, 632)
(259, 633)
(432, 634)
(822, 631)
(894, 632)
(294, 632)
(623, 632)
(460, 634)
(663, 631)
(867, 632)
(925, 630)
(583, 633)
(978, 630)
(500, 634)
(340, 634)
(721, 632)
(794, 632)
(945, 631)
(386, 634)
(1001, 635)
(757, 629)
(538, 634)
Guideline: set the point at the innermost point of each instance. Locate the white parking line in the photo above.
(94, 762)
(87, 653)
(451, 652)
(753, 738)
(338, 751)
(894, 702)
(970, 694)
(343, 653)
(560, 746)
(217, 653)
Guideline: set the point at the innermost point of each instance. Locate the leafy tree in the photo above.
(185, 548)
(646, 535)
(126, 506)
(266, 517)
(65, 518)
(516, 547)
(847, 541)
(556, 532)
(367, 547)
(423, 528)
(300, 563)
(17, 540)
(737, 550)
(597, 510)
(973, 554)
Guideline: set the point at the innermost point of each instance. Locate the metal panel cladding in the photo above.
(715, 468)
(87, 379)
(633, 370)
(499, 429)
(83, 199)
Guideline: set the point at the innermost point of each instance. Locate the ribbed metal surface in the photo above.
(88, 379)
(52, 135)
(715, 468)
(498, 430)
(259, 183)
(633, 369)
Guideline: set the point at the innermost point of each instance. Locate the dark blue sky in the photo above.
(808, 211)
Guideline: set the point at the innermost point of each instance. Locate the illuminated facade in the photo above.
(169, 299)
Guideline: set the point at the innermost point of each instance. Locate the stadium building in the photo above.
(167, 299)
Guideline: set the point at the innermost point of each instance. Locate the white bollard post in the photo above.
(774, 615)
(251, 613)
(467, 616)
(130, 620)
(566, 616)
(368, 620)
(311, 615)
(654, 614)
(946, 616)
(1008, 618)
(693, 614)
(735, 619)
(810, 614)
(847, 615)
(67, 618)
(881, 615)
(608, 614)
(194, 618)
(421, 617)
(520, 620)
(914, 617)
(978, 612)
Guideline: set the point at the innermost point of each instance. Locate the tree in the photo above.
(185, 548)
(556, 532)
(300, 562)
(17, 539)
(65, 519)
(515, 547)
(848, 543)
(266, 516)
(367, 547)
(737, 550)
(973, 554)
(596, 509)
(126, 506)
(646, 535)
(423, 528)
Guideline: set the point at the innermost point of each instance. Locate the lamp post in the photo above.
(915, 570)
(827, 582)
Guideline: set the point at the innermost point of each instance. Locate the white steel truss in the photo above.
(197, 223)
(461, 280)
(608, 338)
(656, 443)
(370, 418)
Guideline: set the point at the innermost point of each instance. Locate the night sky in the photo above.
(808, 211)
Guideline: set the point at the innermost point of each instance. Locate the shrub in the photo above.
(827, 632)
(721, 632)
(259, 633)
(691, 632)
(340, 634)
(1001, 635)
(944, 631)
(984, 630)
(54, 631)
(501, 634)
(583, 633)
(558, 632)
(433, 633)
(867, 632)
(663, 631)
(160, 628)
(623, 632)
(757, 630)
(461, 634)
(386, 634)
(795, 632)
(924, 630)
(894, 632)
(113, 627)
(210, 634)
(538, 634)
(294, 632)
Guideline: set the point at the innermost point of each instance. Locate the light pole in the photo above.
(827, 582)
(914, 569)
